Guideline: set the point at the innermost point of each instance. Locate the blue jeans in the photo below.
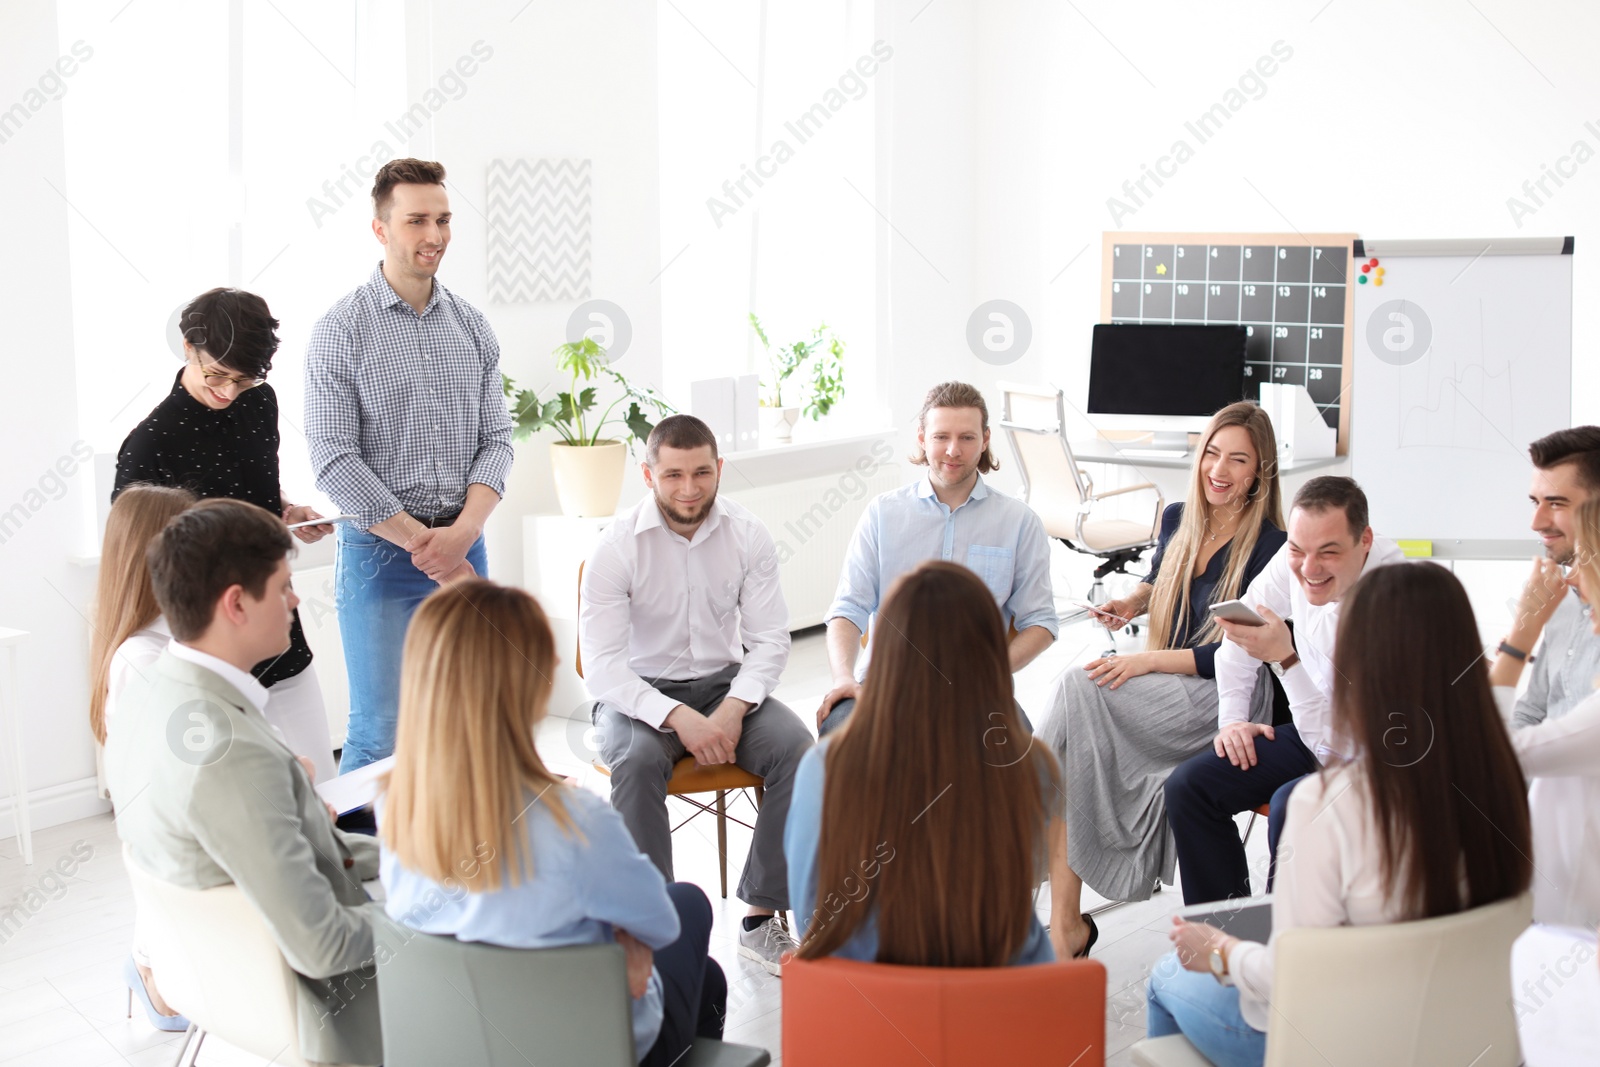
(376, 590)
(1204, 1011)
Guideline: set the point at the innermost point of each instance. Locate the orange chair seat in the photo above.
(843, 1013)
(689, 777)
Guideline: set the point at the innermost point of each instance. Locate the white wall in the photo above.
(40, 592)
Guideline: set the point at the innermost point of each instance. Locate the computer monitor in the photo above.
(1166, 379)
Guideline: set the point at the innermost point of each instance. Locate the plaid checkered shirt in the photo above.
(404, 411)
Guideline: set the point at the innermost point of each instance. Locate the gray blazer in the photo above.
(206, 795)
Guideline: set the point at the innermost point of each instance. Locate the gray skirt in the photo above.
(1116, 748)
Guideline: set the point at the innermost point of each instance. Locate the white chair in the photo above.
(1430, 992)
(1063, 494)
(215, 962)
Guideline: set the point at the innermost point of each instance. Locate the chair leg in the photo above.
(191, 1045)
(722, 839)
(1251, 825)
(761, 794)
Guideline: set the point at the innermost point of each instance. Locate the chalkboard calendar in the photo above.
(1289, 291)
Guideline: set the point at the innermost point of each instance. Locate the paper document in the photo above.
(354, 790)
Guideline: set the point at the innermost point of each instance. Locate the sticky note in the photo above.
(1415, 549)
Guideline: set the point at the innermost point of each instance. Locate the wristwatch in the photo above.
(1283, 666)
(1219, 963)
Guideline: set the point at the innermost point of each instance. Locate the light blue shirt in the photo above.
(801, 835)
(1563, 673)
(998, 537)
(584, 885)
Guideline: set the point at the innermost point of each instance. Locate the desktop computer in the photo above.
(1168, 380)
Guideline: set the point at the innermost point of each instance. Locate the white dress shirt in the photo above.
(659, 606)
(1330, 873)
(252, 690)
(1562, 757)
(1309, 683)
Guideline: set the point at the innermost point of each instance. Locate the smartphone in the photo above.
(326, 518)
(1235, 611)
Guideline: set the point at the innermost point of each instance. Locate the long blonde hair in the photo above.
(475, 680)
(124, 602)
(1263, 502)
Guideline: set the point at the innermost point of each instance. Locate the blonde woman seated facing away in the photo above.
(936, 863)
(1387, 837)
(1120, 724)
(483, 843)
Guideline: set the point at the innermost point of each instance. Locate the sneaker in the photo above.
(767, 944)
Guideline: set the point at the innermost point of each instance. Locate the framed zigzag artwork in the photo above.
(538, 219)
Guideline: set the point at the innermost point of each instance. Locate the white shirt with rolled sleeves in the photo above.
(1315, 626)
(657, 605)
(997, 536)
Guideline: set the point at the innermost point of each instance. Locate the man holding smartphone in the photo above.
(1330, 547)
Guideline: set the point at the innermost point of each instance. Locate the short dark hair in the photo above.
(203, 551)
(1579, 446)
(1334, 491)
(402, 172)
(678, 431)
(234, 328)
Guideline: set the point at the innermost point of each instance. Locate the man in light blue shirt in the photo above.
(950, 514)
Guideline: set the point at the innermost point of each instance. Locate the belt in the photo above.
(437, 520)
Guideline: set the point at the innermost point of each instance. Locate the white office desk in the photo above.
(1105, 452)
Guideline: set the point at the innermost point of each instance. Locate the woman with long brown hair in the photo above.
(1122, 723)
(482, 842)
(1430, 818)
(127, 637)
(918, 830)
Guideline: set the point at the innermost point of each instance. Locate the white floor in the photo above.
(62, 1001)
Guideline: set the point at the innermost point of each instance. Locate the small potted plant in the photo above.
(780, 409)
(588, 467)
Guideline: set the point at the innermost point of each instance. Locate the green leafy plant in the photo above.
(825, 354)
(570, 413)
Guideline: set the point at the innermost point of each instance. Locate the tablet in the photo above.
(324, 519)
(1247, 918)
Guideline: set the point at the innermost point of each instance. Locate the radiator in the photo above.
(812, 521)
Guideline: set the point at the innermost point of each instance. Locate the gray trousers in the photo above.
(641, 759)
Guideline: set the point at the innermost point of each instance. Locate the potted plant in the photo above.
(588, 467)
(826, 386)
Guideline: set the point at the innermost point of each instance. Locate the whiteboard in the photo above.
(1460, 362)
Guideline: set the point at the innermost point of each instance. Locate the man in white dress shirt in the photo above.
(1330, 547)
(684, 634)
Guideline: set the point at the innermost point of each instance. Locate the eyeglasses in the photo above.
(218, 381)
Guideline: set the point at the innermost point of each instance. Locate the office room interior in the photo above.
(1008, 194)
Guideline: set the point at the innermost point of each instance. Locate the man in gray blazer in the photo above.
(208, 794)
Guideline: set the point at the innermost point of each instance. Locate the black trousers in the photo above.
(1207, 791)
(694, 991)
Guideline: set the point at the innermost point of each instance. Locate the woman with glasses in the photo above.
(216, 434)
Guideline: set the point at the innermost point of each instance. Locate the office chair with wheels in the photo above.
(1063, 494)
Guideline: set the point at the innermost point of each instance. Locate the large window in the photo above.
(243, 157)
(767, 172)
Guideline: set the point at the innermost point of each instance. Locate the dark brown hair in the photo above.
(954, 395)
(1579, 446)
(401, 172)
(1449, 799)
(946, 846)
(202, 552)
(679, 431)
(1330, 491)
(232, 328)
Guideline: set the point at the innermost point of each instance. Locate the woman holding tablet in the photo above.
(936, 864)
(216, 434)
(483, 843)
(1388, 837)
(1121, 723)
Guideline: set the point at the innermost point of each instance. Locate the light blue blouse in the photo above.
(800, 838)
(583, 886)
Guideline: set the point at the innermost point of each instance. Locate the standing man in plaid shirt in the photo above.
(408, 429)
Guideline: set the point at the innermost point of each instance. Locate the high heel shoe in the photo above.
(1094, 935)
(130, 974)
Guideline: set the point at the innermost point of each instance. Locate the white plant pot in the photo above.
(777, 424)
(589, 479)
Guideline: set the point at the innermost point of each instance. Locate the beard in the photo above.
(684, 518)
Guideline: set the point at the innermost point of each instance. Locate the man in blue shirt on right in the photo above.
(950, 514)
